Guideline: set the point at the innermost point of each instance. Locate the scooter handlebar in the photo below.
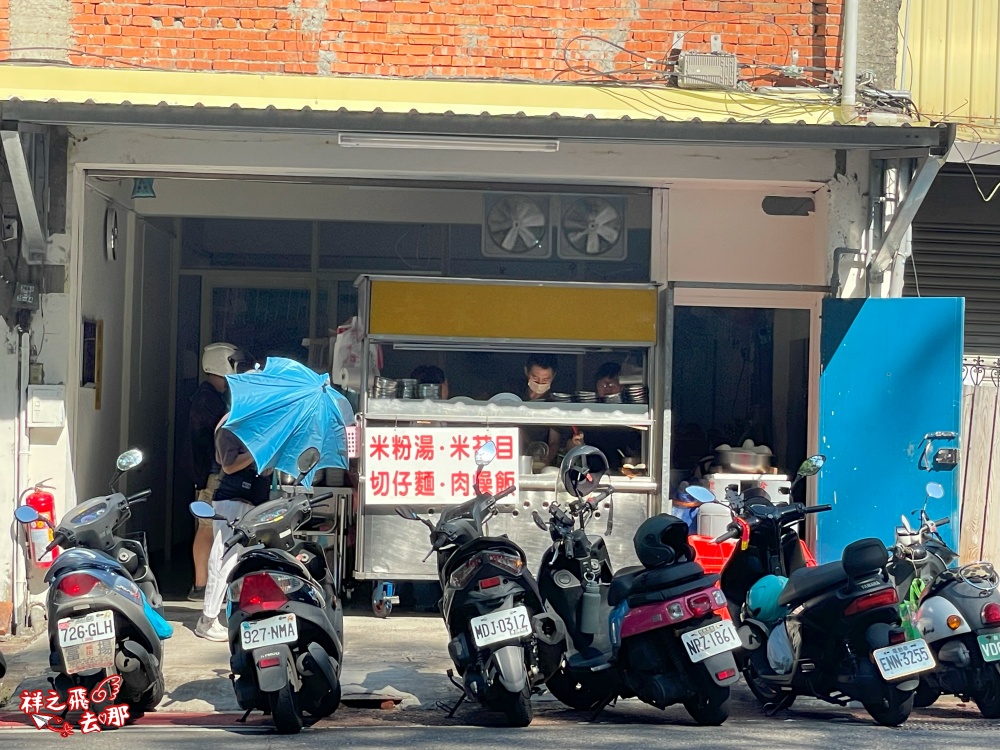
(57, 541)
(734, 532)
(320, 498)
(238, 537)
(817, 508)
(139, 496)
(942, 522)
(503, 493)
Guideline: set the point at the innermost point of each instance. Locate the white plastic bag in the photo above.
(348, 349)
(779, 649)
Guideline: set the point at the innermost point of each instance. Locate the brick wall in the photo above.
(523, 39)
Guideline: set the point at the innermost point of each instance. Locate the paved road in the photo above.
(627, 726)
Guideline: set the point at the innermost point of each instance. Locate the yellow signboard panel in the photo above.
(531, 312)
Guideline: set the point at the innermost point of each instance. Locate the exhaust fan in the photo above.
(517, 226)
(593, 228)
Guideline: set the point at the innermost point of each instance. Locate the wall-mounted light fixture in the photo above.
(447, 142)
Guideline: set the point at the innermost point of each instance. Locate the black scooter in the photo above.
(844, 634)
(104, 605)
(503, 642)
(286, 623)
(647, 632)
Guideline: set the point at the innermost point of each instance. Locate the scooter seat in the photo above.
(662, 582)
(806, 582)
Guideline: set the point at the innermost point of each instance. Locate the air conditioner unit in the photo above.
(592, 227)
(516, 226)
(706, 70)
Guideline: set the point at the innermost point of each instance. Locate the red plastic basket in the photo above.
(712, 557)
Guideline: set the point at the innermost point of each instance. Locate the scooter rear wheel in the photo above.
(580, 692)
(710, 709)
(285, 711)
(987, 691)
(894, 709)
(925, 695)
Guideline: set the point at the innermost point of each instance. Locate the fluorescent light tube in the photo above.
(446, 142)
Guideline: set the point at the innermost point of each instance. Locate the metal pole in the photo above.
(849, 72)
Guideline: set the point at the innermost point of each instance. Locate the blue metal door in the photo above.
(891, 376)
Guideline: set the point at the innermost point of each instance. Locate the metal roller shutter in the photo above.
(961, 261)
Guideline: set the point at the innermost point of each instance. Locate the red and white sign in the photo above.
(418, 465)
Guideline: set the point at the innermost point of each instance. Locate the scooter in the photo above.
(104, 606)
(286, 622)
(955, 609)
(649, 631)
(504, 643)
(841, 637)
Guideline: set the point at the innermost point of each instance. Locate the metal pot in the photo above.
(743, 461)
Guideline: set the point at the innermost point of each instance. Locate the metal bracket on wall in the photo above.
(28, 176)
(905, 212)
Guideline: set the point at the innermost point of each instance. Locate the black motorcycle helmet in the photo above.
(582, 470)
(662, 540)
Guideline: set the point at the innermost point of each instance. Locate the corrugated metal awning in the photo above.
(64, 95)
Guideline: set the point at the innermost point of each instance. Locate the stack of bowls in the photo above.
(385, 388)
(562, 398)
(636, 394)
(613, 398)
(431, 391)
(585, 397)
(408, 388)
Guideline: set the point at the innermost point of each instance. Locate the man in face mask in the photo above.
(540, 371)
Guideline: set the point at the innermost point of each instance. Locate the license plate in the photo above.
(990, 646)
(500, 626)
(904, 659)
(269, 632)
(87, 642)
(710, 640)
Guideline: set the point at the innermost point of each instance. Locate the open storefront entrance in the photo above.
(744, 378)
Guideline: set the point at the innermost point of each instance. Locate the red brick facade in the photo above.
(522, 39)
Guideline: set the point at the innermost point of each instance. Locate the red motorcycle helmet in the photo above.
(582, 470)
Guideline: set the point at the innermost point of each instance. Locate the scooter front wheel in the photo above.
(285, 711)
(764, 692)
(517, 707)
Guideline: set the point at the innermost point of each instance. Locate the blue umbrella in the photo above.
(285, 408)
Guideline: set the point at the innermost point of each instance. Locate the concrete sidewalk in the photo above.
(404, 656)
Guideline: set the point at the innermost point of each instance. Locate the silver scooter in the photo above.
(955, 609)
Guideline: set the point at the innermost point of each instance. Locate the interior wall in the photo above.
(98, 430)
(148, 375)
(724, 236)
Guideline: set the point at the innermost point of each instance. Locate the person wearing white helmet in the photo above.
(208, 406)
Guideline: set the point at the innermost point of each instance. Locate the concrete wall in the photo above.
(524, 39)
(98, 437)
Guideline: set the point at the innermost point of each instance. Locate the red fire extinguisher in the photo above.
(39, 533)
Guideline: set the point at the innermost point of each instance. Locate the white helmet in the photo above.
(221, 359)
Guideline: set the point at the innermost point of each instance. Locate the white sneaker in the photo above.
(211, 630)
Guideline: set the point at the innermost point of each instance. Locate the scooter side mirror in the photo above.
(538, 521)
(201, 509)
(26, 514)
(699, 493)
(486, 453)
(811, 466)
(935, 490)
(405, 511)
